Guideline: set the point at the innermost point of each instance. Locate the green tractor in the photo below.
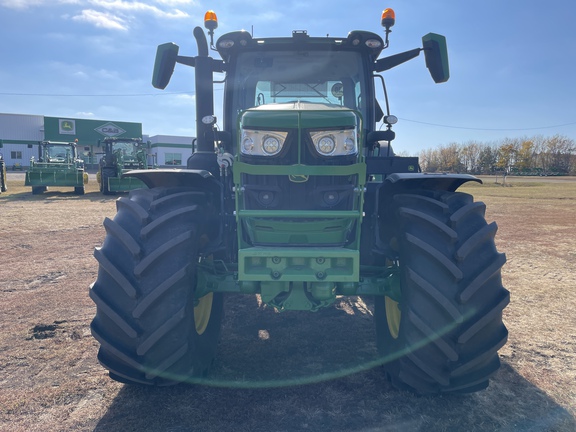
(298, 197)
(57, 165)
(121, 155)
(3, 185)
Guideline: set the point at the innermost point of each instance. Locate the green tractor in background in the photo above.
(299, 198)
(120, 156)
(57, 165)
(3, 184)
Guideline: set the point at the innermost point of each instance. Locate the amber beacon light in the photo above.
(388, 18)
(210, 20)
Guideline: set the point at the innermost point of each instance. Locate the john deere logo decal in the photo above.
(67, 127)
(298, 178)
(110, 130)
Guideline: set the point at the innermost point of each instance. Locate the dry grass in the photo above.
(277, 372)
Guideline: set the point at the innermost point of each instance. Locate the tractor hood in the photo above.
(303, 115)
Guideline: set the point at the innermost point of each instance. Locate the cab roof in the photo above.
(367, 43)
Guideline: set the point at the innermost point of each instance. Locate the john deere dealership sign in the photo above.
(110, 130)
(88, 132)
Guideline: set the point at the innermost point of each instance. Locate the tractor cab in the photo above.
(130, 153)
(120, 156)
(280, 74)
(57, 152)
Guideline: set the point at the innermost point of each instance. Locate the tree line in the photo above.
(536, 155)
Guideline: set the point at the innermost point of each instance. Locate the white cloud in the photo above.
(25, 4)
(102, 19)
(20, 4)
(180, 100)
(80, 74)
(269, 16)
(176, 2)
(136, 6)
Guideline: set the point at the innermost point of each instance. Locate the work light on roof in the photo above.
(373, 43)
(226, 43)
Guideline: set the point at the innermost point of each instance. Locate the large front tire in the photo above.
(151, 327)
(444, 332)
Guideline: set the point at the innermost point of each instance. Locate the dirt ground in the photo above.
(288, 371)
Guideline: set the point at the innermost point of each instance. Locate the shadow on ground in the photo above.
(308, 350)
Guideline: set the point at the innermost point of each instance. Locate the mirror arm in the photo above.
(394, 60)
(188, 61)
(217, 65)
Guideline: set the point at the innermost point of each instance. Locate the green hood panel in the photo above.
(303, 115)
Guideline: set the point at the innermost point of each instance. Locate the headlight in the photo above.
(335, 143)
(262, 143)
(271, 145)
(326, 145)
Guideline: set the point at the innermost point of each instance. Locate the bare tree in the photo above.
(470, 155)
(528, 156)
(449, 158)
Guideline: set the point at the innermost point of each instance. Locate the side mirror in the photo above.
(164, 63)
(436, 54)
(385, 135)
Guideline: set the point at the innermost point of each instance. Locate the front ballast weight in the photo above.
(306, 279)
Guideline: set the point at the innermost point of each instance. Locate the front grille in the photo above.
(284, 193)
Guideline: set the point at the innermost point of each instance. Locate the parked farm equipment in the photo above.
(3, 183)
(121, 155)
(57, 165)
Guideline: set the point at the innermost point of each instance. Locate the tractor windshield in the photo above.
(333, 77)
(58, 153)
(128, 149)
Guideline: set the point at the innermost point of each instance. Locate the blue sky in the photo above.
(513, 62)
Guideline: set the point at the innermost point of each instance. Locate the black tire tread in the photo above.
(452, 296)
(433, 292)
(131, 245)
(144, 290)
(116, 274)
(442, 259)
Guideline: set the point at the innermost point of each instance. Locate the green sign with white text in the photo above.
(88, 132)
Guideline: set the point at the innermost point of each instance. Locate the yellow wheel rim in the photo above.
(393, 315)
(202, 313)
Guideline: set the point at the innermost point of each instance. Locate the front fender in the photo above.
(201, 179)
(433, 181)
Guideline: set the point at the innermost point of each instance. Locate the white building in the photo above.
(18, 134)
(170, 150)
